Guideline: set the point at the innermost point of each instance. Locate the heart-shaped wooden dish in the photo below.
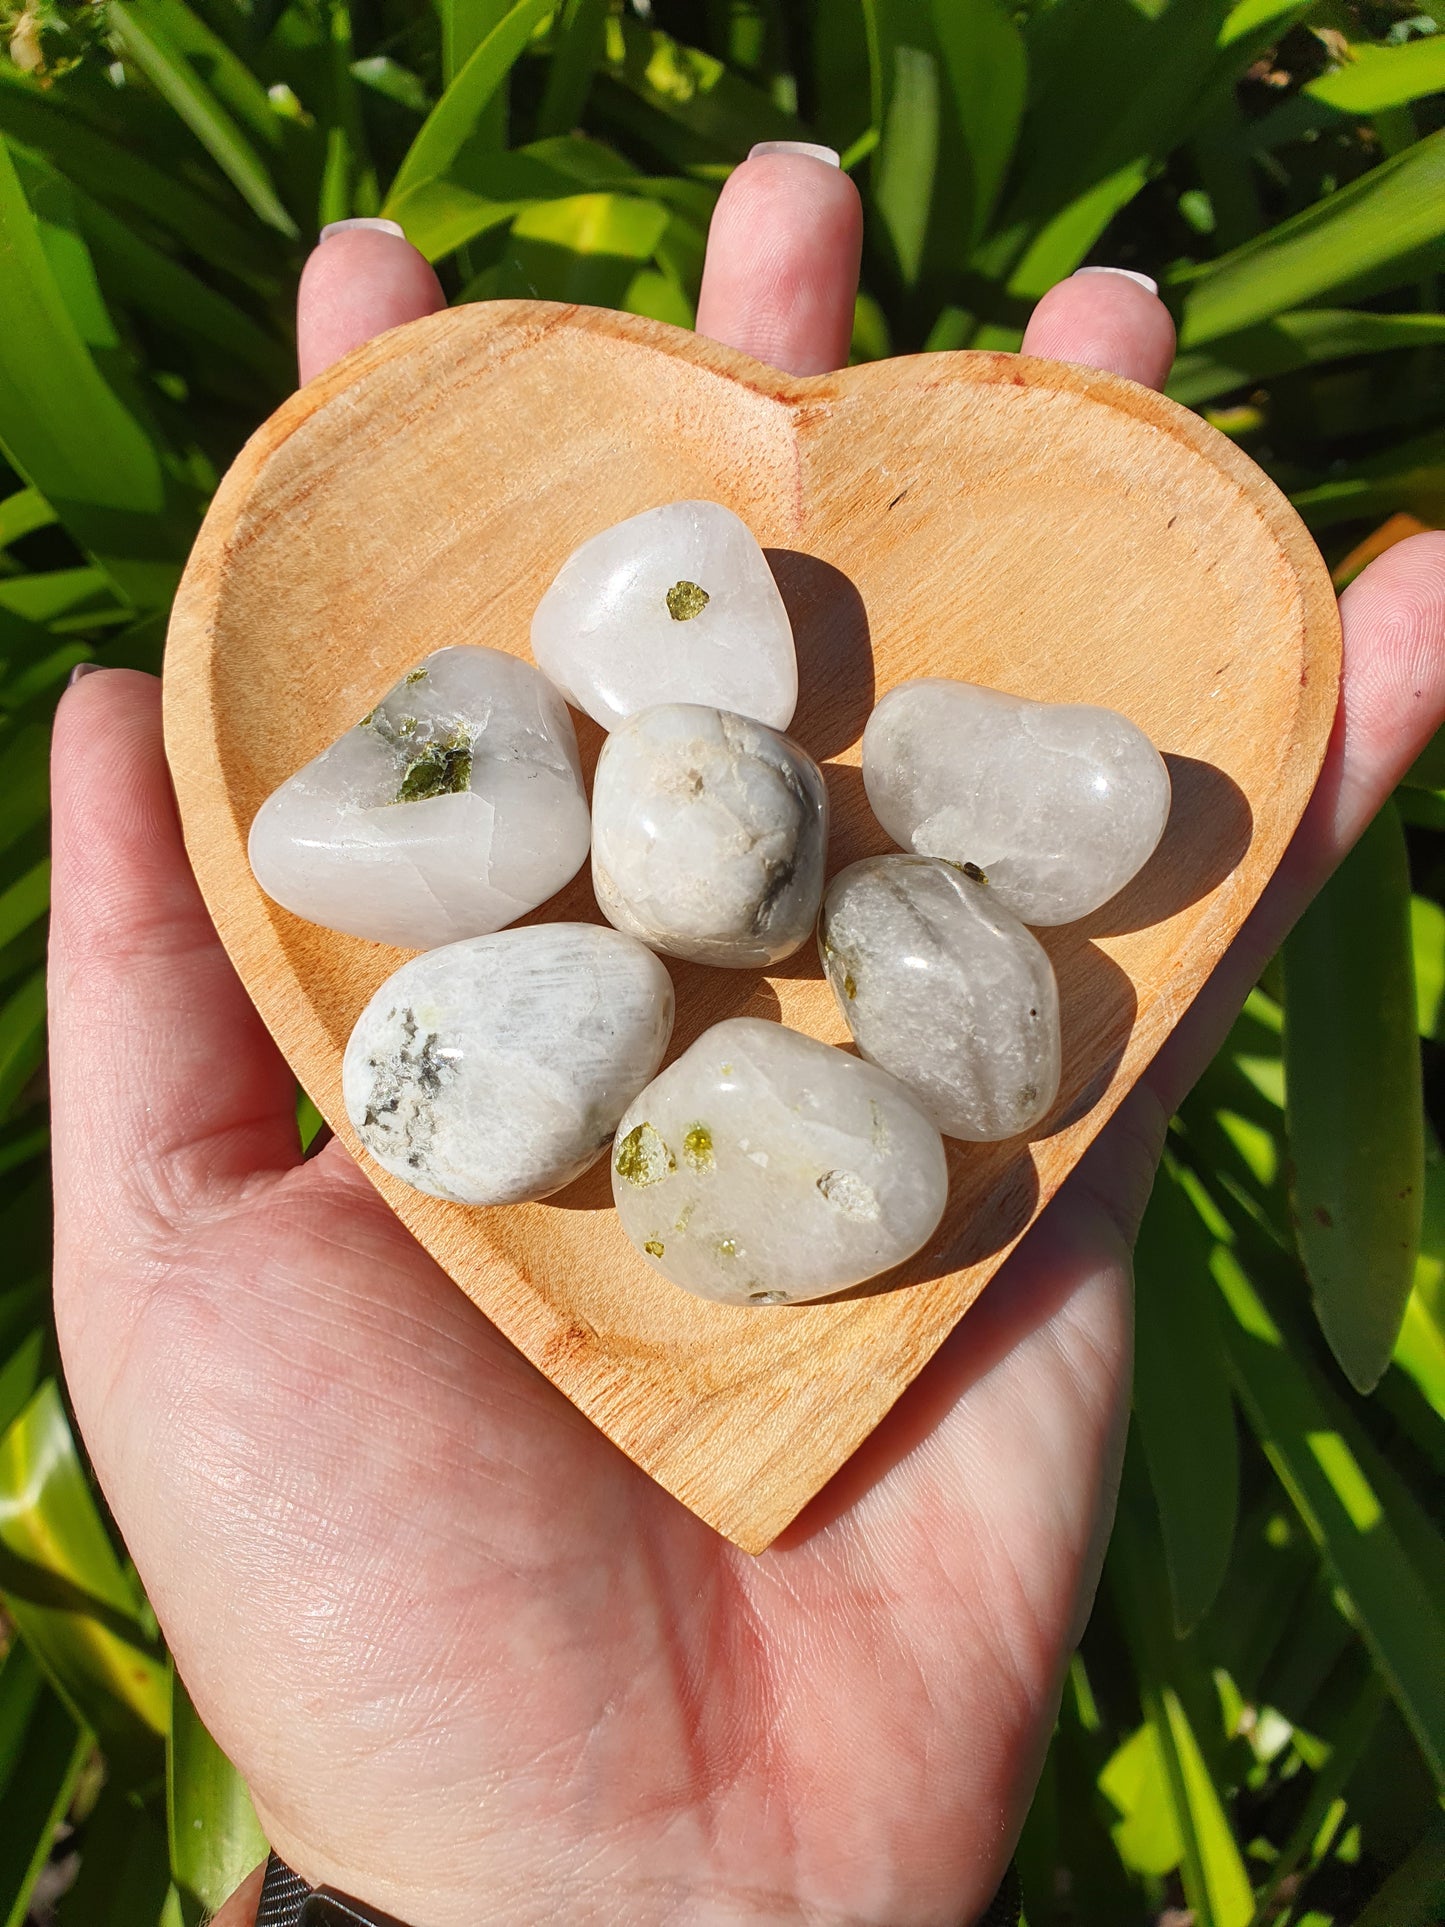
(1024, 524)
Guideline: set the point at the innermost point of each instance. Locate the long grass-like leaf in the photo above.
(47, 1753)
(452, 121)
(215, 1837)
(61, 425)
(1387, 216)
(144, 39)
(65, 1589)
(578, 44)
(1308, 1437)
(1305, 339)
(1181, 1369)
(1353, 1083)
(1375, 79)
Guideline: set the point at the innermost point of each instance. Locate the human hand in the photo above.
(475, 1666)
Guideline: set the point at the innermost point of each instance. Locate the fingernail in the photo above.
(82, 669)
(1129, 274)
(373, 221)
(811, 148)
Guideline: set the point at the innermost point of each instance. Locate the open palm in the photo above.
(475, 1666)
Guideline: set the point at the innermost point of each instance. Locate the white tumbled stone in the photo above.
(453, 808)
(495, 1070)
(709, 836)
(1059, 804)
(766, 1168)
(944, 987)
(677, 605)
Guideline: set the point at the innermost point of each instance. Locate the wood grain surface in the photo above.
(1033, 526)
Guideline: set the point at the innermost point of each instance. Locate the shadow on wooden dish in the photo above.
(1023, 524)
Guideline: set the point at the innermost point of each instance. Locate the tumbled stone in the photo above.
(763, 1168)
(709, 835)
(677, 605)
(944, 987)
(453, 808)
(1059, 804)
(495, 1070)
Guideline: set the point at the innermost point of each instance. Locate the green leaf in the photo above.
(67, 1594)
(22, 514)
(1216, 1881)
(1326, 1787)
(1290, 341)
(718, 115)
(1387, 216)
(488, 190)
(1375, 79)
(1177, 1698)
(25, 901)
(141, 277)
(1182, 1401)
(588, 249)
(146, 191)
(1354, 1103)
(143, 31)
(124, 1874)
(22, 1038)
(1311, 1440)
(451, 122)
(24, 782)
(579, 41)
(1147, 1833)
(215, 1837)
(1114, 88)
(50, 1750)
(61, 426)
(1414, 1893)
(1427, 942)
(1410, 476)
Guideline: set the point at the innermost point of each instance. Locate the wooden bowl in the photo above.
(1025, 524)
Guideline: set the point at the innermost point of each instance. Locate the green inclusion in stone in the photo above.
(642, 1157)
(443, 768)
(686, 600)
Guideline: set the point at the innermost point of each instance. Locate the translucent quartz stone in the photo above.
(944, 987)
(709, 835)
(763, 1168)
(455, 807)
(674, 606)
(1058, 804)
(495, 1070)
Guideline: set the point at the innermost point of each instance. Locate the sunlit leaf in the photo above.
(1352, 1072)
(61, 426)
(1290, 341)
(215, 1837)
(144, 30)
(1374, 79)
(1182, 1402)
(66, 1591)
(456, 115)
(1389, 215)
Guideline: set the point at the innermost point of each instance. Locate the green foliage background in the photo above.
(1254, 1729)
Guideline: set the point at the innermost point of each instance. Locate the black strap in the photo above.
(287, 1901)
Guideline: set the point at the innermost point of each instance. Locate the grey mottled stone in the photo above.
(677, 605)
(1059, 804)
(765, 1168)
(495, 1070)
(944, 987)
(709, 836)
(453, 808)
